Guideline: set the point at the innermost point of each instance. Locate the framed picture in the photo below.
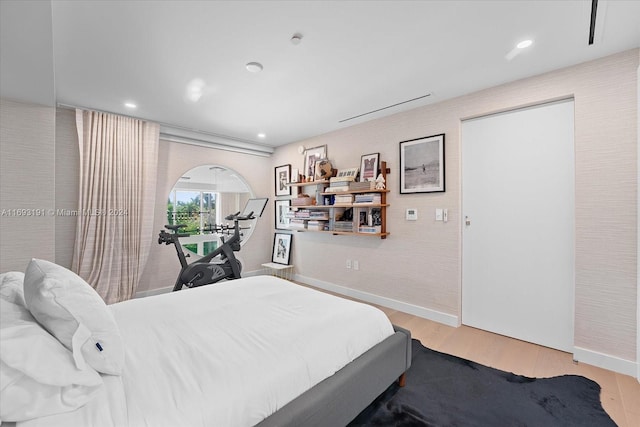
(281, 248)
(282, 208)
(348, 173)
(369, 167)
(283, 177)
(310, 158)
(422, 165)
(323, 170)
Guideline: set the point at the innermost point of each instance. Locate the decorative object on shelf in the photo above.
(295, 175)
(303, 199)
(281, 248)
(283, 177)
(422, 165)
(349, 174)
(311, 155)
(323, 169)
(282, 214)
(369, 166)
(380, 185)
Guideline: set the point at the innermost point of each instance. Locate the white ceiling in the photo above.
(355, 56)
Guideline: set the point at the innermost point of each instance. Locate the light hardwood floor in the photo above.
(620, 394)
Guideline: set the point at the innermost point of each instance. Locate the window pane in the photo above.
(187, 210)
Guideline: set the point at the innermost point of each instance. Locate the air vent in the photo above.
(384, 108)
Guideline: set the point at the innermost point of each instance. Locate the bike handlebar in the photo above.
(236, 217)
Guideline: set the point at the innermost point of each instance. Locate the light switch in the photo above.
(412, 214)
(439, 214)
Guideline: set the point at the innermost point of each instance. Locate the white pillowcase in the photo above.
(11, 287)
(72, 311)
(38, 376)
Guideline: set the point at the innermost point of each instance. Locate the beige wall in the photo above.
(67, 187)
(27, 168)
(419, 264)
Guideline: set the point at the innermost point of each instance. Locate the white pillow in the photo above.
(38, 376)
(11, 287)
(73, 312)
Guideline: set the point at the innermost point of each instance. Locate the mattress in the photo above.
(228, 354)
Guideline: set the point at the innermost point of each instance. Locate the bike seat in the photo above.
(175, 227)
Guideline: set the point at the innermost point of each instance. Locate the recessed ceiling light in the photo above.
(195, 90)
(262, 135)
(254, 67)
(518, 49)
(524, 43)
(130, 105)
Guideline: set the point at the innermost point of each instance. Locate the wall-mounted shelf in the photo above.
(368, 219)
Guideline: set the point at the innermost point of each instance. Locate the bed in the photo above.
(255, 351)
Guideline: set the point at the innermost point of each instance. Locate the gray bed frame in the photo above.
(337, 400)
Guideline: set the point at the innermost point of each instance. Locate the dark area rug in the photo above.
(444, 390)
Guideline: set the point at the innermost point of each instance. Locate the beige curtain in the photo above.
(118, 162)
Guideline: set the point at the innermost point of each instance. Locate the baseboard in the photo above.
(605, 361)
(415, 310)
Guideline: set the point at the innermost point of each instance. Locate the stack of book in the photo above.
(362, 186)
(319, 215)
(316, 225)
(339, 184)
(302, 214)
(369, 198)
(343, 226)
(369, 229)
(343, 199)
(297, 223)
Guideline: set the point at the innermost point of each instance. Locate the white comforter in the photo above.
(228, 354)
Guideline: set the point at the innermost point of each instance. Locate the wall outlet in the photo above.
(356, 265)
(348, 263)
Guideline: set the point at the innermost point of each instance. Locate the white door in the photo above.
(518, 224)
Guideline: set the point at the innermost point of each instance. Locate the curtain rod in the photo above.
(200, 138)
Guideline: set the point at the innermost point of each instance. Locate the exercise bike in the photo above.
(205, 271)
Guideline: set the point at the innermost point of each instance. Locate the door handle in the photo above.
(467, 221)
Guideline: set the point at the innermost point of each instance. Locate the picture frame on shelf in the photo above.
(369, 165)
(281, 209)
(348, 173)
(312, 155)
(323, 170)
(422, 165)
(281, 248)
(282, 179)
